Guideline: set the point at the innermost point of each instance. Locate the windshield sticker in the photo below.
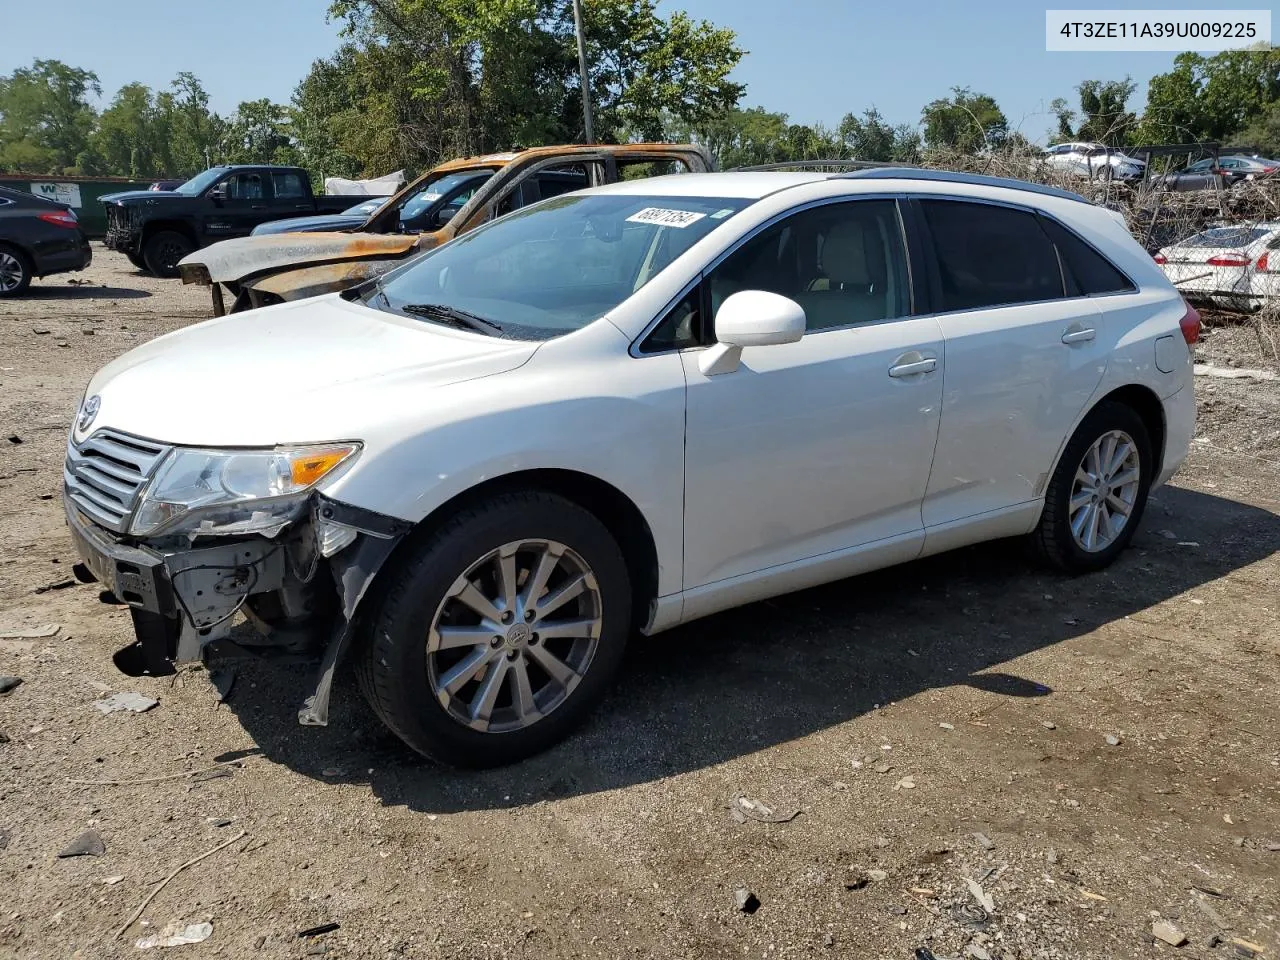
(721, 214)
(432, 196)
(663, 217)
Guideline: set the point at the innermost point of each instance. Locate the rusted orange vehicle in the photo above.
(444, 202)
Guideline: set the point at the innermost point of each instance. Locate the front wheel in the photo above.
(1098, 493)
(136, 260)
(163, 250)
(500, 632)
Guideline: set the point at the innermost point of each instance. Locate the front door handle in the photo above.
(257, 206)
(910, 368)
(1079, 335)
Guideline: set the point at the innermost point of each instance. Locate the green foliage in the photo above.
(1263, 134)
(1211, 98)
(259, 132)
(872, 138)
(965, 121)
(45, 117)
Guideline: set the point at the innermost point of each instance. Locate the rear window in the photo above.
(1085, 271)
(1226, 237)
(990, 255)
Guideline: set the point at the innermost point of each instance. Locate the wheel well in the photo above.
(610, 506)
(177, 226)
(21, 252)
(1147, 405)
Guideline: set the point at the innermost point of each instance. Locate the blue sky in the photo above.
(813, 59)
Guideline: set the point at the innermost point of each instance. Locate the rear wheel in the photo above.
(500, 633)
(163, 250)
(1099, 491)
(15, 271)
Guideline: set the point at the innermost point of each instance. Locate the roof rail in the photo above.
(812, 165)
(951, 176)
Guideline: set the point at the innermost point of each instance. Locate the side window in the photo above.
(844, 263)
(288, 185)
(990, 255)
(245, 186)
(1088, 271)
(679, 328)
(639, 169)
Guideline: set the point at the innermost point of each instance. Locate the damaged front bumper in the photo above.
(311, 577)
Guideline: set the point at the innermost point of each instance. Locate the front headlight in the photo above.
(234, 491)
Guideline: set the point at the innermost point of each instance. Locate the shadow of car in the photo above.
(763, 675)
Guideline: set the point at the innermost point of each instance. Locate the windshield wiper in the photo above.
(452, 315)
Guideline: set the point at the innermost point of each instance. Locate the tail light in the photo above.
(1160, 258)
(60, 218)
(1190, 325)
(1262, 263)
(1229, 260)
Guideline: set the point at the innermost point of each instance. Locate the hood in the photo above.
(314, 371)
(232, 261)
(134, 196)
(318, 224)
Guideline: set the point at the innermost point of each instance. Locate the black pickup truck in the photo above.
(155, 229)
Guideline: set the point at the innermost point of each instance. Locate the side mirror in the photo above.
(751, 318)
(218, 193)
(444, 215)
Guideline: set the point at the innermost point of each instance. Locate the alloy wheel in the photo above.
(1105, 491)
(11, 272)
(514, 635)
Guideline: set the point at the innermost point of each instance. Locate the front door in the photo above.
(245, 205)
(822, 445)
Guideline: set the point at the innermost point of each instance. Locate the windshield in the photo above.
(200, 182)
(429, 194)
(554, 267)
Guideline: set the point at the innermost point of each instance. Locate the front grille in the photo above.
(119, 226)
(105, 474)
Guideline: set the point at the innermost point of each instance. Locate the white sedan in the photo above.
(623, 409)
(1235, 268)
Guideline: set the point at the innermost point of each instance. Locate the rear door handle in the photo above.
(912, 367)
(1079, 335)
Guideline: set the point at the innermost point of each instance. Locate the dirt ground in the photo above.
(1095, 754)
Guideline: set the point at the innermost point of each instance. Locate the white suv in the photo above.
(623, 409)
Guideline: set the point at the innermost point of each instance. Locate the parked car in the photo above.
(1227, 267)
(156, 229)
(624, 409)
(1093, 160)
(166, 185)
(1209, 174)
(451, 199)
(348, 219)
(37, 237)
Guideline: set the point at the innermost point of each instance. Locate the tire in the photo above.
(15, 271)
(163, 250)
(1056, 540)
(137, 261)
(400, 677)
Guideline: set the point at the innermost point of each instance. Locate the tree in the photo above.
(195, 131)
(1263, 134)
(132, 138)
(450, 77)
(1211, 98)
(965, 121)
(870, 137)
(259, 132)
(45, 117)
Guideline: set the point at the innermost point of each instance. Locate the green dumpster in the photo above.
(80, 193)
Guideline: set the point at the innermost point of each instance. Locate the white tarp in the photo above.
(377, 187)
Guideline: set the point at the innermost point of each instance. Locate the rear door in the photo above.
(1022, 357)
(290, 194)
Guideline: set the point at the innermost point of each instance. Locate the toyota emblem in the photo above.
(88, 412)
